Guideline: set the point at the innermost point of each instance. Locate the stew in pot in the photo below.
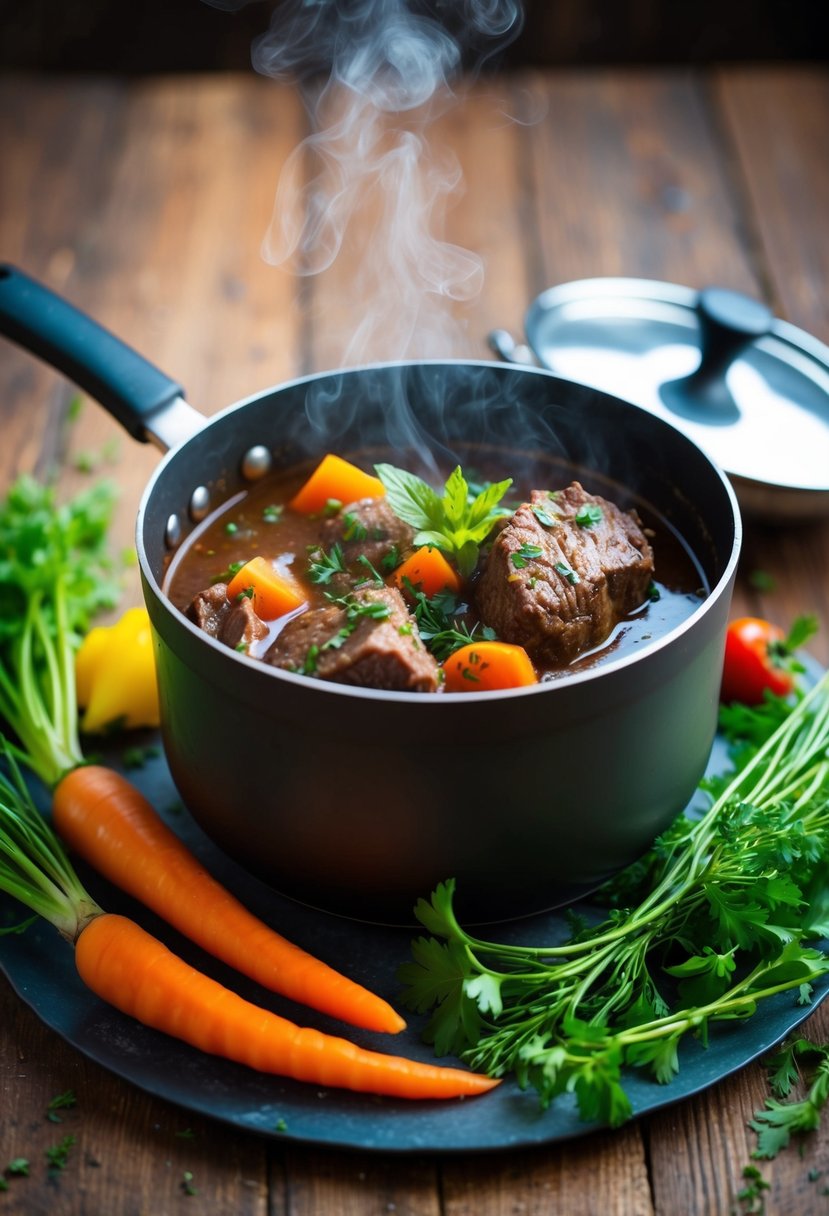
(375, 578)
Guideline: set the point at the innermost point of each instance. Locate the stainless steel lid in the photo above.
(751, 390)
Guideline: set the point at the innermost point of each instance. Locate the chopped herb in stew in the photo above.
(567, 575)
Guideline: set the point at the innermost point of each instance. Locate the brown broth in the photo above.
(259, 523)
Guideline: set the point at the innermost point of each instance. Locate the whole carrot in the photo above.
(49, 578)
(137, 974)
(104, 819)
(127, 967)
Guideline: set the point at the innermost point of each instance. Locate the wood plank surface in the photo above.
(157, 246)
(777, 122)
(775, 126)
(147, 203)
(348, 1184)
(698, 1150)
(629, 181)
(605, 1172)
(132, 1154)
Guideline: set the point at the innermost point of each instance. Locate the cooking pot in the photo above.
(359, 801)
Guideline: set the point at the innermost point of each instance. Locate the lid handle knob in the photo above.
(728, 322)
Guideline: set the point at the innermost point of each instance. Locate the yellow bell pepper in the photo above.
(115, 675)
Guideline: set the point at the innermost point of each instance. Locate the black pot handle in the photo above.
(124, 382)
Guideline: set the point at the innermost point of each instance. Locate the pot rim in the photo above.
(351, 692)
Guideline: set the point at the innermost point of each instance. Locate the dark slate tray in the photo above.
(41, 970)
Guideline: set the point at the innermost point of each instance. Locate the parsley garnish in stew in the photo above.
(440, 621)
(454, 522)
(567, 572)
(376, 578)
(355, 609)
(525, 554)
(310, 664)
(589, 515)
(354, 528)
(543, 516)
(227, 574)
(377, 610)
(323, 566)
(391, 560)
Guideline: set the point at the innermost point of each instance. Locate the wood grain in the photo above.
(774, 126)
(777, 122)
(628, 182)
(355, 1184)
(132, 1153)
(158, 247)
(698, 1150)
(601, 1175)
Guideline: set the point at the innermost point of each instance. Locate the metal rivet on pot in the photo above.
(256, 462)
(172, 532)
(199, 504)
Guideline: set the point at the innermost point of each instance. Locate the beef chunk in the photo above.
(343, 642)
(369, 528)
(232, 622)
(558, 586)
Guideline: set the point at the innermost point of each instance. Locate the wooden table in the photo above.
(146, 202)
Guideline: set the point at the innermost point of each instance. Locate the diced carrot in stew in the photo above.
(273, 595)
(428, 571)
(335, 480)
(487, 666)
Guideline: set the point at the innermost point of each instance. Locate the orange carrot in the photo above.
(136, 973)
(428, 571)
(335, 479)
(109, 823)
(272, 594)
(486, 666)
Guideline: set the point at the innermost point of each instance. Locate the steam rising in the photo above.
(375, 74)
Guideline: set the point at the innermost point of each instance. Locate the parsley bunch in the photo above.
(55, 575)
(723, 912)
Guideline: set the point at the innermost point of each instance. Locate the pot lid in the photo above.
(751, 390)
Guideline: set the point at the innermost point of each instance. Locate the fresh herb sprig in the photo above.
(720, 916)
(456, 522)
